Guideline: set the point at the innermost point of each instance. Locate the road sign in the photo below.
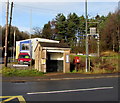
(92, 30)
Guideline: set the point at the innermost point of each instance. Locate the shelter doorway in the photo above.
(54, 62)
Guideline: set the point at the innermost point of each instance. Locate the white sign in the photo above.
(67, 58)
(92, 30)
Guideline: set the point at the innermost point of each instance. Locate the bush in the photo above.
(108, 54)
(22, 72)
(106, 63)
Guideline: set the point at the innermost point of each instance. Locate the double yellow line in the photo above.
(9, 98)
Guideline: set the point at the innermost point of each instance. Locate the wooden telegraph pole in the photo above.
(6, 34)
(10, 19)
(86, 36)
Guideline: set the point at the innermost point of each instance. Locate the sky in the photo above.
(36, 13)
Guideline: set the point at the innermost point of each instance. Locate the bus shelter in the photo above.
(52, 57)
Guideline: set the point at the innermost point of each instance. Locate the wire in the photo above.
(30, 7)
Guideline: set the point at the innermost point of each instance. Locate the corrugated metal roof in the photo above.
(59, 45)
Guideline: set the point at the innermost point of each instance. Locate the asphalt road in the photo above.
(104, 89)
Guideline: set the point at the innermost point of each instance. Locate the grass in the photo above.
(10, 72)
(97, 71)
(108, 62)
(109, 54)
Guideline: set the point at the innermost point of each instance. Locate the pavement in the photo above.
(59, 76)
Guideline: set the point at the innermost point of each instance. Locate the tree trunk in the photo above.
(113, 43)
(118, 40)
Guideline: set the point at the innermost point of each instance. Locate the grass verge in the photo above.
(108, 62)
(10, 72)
(99, 71)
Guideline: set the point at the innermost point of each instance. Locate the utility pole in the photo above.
(98, 38)
(86, 36)
(10, 17)
(14, 46)
(118, 40)
(9, 38)
(6, 34)
(98, 45)
(30, 42)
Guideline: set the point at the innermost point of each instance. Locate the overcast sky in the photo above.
(27, 15)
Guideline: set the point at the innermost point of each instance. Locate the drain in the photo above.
(18, 81)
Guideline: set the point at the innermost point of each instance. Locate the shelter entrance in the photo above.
(54, 62)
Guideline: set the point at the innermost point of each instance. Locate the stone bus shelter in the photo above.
(52, 57)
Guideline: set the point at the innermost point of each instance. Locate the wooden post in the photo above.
(6, 34)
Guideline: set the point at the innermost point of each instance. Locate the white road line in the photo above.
(75, 90)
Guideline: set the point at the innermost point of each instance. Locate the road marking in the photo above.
(75, 90)
(16, 65)
(9, 98)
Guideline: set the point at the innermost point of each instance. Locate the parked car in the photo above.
(24, 58)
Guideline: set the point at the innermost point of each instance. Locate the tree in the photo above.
(118, 27)
(47, 31)
(37, 32)
(20, 35)
(0, 35)
(67, 28)
(72, 28)
(109, 34)
(61, 25)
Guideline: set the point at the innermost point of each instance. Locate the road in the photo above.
(104, 89)
(1, 60)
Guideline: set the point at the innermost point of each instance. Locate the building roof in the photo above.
(39, 39)
(58, 45)
(53, 45)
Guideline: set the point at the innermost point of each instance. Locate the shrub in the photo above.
(107, 63)
(108, 54)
